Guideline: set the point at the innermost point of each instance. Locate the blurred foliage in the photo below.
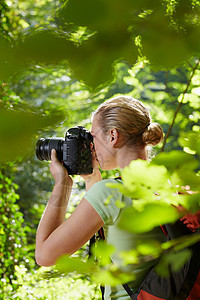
(59, 61)
(108, 273)
(16, 135)
(157, 189)
(35, 286)
(13, 249)
(88, 37)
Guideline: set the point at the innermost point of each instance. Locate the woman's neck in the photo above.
(126, 155)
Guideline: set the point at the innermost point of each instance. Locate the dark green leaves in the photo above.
(17, 129)
(168, 37)
(162, 44)
(47, 47)
(10, 59)
(98, 15)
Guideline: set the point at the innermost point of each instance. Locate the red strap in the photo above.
(164, 230)
(146, 296)
(195, 292)
(101, 233)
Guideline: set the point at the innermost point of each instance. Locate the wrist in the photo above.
(64, 180)
(60, 194)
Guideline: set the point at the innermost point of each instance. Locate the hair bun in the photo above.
(153, 134)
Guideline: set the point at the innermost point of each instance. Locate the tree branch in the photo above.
(179, 106)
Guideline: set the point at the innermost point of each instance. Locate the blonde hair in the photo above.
(131, 118)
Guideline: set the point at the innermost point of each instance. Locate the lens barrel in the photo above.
(44, 147)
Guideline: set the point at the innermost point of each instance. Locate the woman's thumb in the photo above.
(53, 155)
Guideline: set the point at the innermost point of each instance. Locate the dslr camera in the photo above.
(73, 151)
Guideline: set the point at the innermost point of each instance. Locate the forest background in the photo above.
(58, 61)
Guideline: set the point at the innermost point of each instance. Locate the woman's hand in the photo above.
(59, 172)
(90, 179)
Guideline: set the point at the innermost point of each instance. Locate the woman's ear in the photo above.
(114, 136)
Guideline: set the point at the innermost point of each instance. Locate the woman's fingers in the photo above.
(58, 171)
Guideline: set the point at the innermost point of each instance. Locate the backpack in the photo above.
(181, 285)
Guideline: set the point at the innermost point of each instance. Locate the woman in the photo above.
(121, 130)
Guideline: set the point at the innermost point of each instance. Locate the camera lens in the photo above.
(44, 147)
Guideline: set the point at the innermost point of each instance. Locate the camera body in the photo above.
(73, 151)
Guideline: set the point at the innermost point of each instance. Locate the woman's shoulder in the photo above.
(106, 183)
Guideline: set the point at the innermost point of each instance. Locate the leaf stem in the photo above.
(179, 106)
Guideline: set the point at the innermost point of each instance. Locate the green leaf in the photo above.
(174, 260)
(190, 140)
(120, 204)
(181, 243)
(66, 264)
(171, 46)
(85, 13)
(141, 173)
(152, 215)
(112, 277)
(10, 60)
(152, 248)
(192, 201)
(98, 15)
(93, 62)
(189, 178)
(129, 257)
(17, 130)
(102, 252)
(175, 160)
(46, 46)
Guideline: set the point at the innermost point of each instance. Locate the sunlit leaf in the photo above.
(151, 216)
(102, 252)
(190, 140)
(66, 264)
(175, 159)
(120, 186)
(152, 248)
(120, 204)
(192, 201)
(141, 173)
(129, 257)
(113, 276)
(181, 242)
(189, 178)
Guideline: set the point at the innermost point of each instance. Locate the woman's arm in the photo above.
(57, 236)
